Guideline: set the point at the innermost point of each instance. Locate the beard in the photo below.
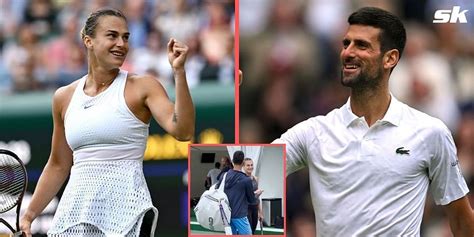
(364, 80)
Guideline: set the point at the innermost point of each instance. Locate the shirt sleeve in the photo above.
(295, 140)
(447, 182)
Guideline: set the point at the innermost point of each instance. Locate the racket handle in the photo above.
(228, 230)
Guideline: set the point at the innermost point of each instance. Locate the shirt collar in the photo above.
(347, 114)
(393, 114)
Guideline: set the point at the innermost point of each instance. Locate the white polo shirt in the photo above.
(373, 181)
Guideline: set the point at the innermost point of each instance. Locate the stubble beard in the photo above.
(364, 80)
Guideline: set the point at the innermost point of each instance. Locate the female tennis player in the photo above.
(100, 131)
(255, 212)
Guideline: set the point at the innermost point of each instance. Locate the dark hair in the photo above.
(217, 165)
(238, 158)
(93, 20)
(392, 32)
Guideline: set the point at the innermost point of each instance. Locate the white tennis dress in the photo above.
(106, 194)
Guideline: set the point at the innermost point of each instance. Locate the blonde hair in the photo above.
(247, 159)
(93, 20)
(83, 32)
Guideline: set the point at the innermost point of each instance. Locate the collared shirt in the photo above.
(368, 181)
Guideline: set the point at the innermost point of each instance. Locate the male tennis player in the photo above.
(238, 188)
(372, 160)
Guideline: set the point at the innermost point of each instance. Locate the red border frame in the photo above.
(237, 127)
(236, 72)
(216, 145)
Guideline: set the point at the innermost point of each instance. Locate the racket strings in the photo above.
(12, 182)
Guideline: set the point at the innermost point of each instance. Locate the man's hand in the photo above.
(177, 53)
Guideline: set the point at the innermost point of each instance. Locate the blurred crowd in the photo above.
(41, 48)
(289, 53)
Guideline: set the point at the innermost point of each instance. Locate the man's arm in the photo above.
(461, 217)
(447, 183)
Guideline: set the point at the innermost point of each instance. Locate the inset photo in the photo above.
(237, 189)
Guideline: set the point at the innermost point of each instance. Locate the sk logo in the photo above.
(401, 151)
(454, 16)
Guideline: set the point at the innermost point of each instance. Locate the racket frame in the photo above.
(20, 198)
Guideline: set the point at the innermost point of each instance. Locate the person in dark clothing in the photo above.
(255, 212)
(239, 191)
(226, 166)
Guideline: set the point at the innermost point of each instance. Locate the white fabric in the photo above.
(213, 209)
(253, 152)
(213, 173)
(360, 185)
(107, 193)
(103, 127)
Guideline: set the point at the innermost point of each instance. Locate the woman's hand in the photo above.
(177, 53)
(260, 215)
(25, 226)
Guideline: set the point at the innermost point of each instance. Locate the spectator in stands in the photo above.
(42, 16)
(64, 56)
(138, 23)
(22, 60)
(216, 41)
(153, 58)
(59, 61)
(178, 19)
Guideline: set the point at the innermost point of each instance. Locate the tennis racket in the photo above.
(227, 228)
(13, 181)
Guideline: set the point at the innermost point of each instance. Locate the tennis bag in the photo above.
(213, 210)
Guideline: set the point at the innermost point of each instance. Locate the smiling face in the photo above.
(248, 167)
(109, 45)
(361, 57)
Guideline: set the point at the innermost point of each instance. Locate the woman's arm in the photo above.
(259, 192)
(177, 119)
(56, 170)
